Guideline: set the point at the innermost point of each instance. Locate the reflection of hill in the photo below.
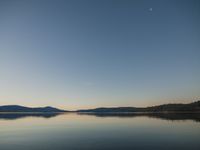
(165, 116)
(13, 116)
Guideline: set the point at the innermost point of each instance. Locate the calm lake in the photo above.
(73, 131)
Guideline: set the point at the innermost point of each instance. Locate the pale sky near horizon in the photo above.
(91, 53)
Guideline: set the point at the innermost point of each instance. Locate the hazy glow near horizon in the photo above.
(76, 54)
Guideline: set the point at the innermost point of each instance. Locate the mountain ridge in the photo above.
(18, 108)
(190, 107)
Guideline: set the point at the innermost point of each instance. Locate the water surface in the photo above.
(73, 131)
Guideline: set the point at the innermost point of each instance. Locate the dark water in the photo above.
(99, 132)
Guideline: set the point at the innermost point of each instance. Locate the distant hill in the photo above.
(17, 108)
(191, 107)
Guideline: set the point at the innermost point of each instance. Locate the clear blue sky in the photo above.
(80, 53)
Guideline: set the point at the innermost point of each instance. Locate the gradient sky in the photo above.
(88, 53)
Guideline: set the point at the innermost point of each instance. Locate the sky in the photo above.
(89, 53)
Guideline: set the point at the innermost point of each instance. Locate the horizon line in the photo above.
(99, 106)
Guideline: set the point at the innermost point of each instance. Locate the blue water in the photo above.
(92, 132)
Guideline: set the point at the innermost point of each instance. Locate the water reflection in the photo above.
(165, 116)
(73, 131)
(13, 116)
